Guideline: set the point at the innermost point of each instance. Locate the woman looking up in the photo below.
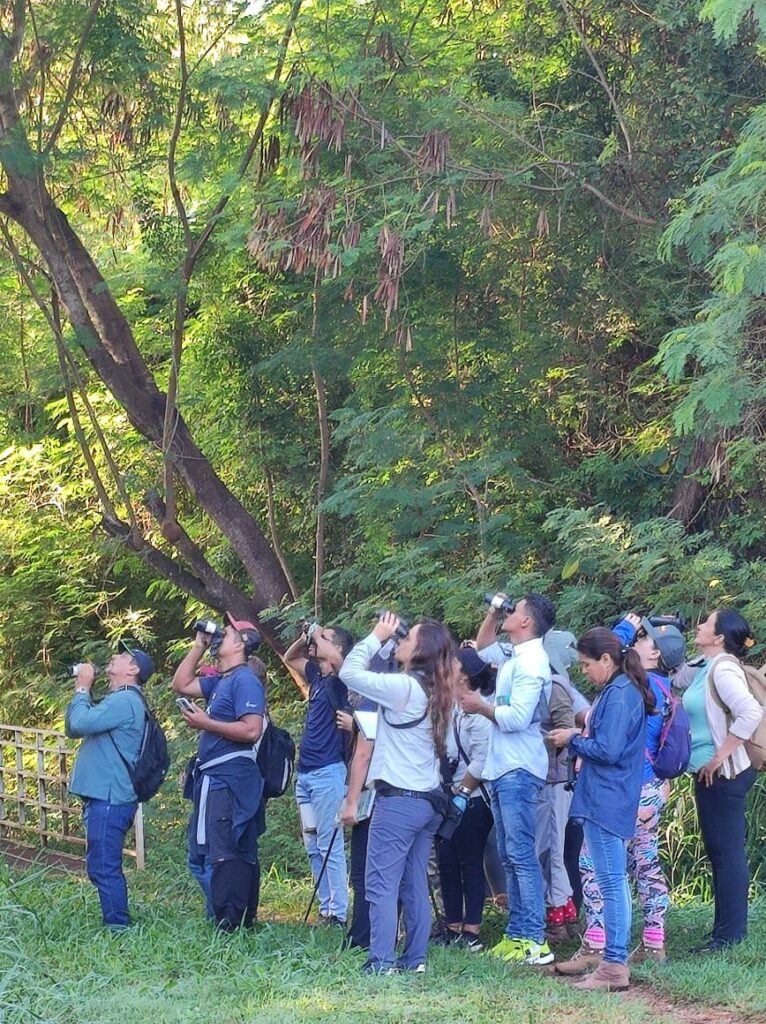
(415, 713)
(723, 714)
(609, 785)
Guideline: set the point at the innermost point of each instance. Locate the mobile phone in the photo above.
(185, 704)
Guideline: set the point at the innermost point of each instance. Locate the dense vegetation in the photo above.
(309, 308)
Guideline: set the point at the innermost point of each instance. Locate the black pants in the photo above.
(461, 865)
(721, 813)
(572, 846)
(359, 929)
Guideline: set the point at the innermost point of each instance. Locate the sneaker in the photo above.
(370, 967)
(507, 949)
(331, 920)
(469, 941)
(448, 937)
(535, 953)
(407, 969)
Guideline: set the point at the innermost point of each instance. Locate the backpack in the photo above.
(756, 684)
(275, 758)
(153, 761)
(675, 749)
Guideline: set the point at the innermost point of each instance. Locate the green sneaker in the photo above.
(535, 953)
(507, 949)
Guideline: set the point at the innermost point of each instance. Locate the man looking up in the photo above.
(321, 782)
(517, 766)
(113, 727)
(225, 784)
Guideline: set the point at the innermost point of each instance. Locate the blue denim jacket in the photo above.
(99, 772)
(609, 783)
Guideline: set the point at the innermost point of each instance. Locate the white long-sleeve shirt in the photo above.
(521, 698)
(402, 757)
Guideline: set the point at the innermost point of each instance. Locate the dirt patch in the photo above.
(684, 1012)
(22, 857)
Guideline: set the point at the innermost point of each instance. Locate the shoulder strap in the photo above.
(404, 725)
(462, 755)
(147, 715)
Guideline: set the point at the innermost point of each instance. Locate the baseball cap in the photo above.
(247, 630)
(669, 641)
(142, 659)
(561, 647)
(478, 671)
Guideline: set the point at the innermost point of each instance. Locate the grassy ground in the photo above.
(58, 965)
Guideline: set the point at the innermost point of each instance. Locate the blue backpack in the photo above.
(675, 749)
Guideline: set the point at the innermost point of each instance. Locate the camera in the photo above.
(402, 629)
(506, 605)
(677, 620)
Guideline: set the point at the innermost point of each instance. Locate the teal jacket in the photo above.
(99, 773)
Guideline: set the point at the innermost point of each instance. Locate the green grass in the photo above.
(58, 965)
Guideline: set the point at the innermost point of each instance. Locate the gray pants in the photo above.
(550, 826)
(401, 833)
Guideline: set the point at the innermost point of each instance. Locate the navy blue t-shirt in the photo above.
(229, 697)
(323, 742)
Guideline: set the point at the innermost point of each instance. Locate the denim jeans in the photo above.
(401, 836)
(106, 826)
(609, 855)
(514, 805)
(324, 789)
(721, 813)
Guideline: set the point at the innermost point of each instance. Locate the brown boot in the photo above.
(648, 954)
(584, 959)
(608, 977)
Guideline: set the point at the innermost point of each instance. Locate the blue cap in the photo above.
(141, 658)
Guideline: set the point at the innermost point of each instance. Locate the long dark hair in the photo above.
(434, 659)
(600, 641)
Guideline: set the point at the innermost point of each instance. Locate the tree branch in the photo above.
(74, 71)
(601, 76)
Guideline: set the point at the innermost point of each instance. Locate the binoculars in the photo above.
(402, 629)
(506, 605)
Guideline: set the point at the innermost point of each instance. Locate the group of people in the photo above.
(490, 735)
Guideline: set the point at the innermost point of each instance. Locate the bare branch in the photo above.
(175, 135)
(601, 76)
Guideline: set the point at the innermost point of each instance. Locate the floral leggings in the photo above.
(643, 866)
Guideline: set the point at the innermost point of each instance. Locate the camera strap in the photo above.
(464, 757)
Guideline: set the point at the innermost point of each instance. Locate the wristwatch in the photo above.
(464, 791)
(82, 689)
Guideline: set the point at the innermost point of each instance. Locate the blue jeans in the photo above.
(514, 805)
(106, 826)
(324, 789)
(721, 812)
(401, 836)
(609, 855)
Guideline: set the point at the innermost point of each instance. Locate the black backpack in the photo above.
(275, 758)
(153, 762)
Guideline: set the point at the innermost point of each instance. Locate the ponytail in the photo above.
(600, 641)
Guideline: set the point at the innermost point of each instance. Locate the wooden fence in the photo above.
(35, 804)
